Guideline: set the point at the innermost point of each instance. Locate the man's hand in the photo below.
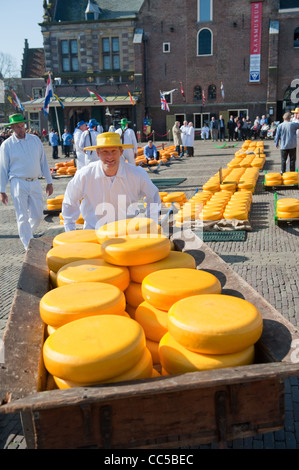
(4, 198)
(49, 189)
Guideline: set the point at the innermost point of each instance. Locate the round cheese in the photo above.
(133, 294)
(287, 214)
(94, 270)
(152, 320)
(72, 301)
(165, 287)
(53, 278)
(137, 250)
(176, 359)
(94, 349)
(288, 204)
(76, 236)
(60, 255)
(175, 259)
(215, 324)
(121, 228)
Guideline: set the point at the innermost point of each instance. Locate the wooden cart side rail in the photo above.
(156, 386)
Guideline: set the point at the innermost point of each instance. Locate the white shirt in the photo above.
(23, 158)
(79, 152)
(190, 137)
(184, 130)
(128, 138)
(106, 199)
(89, 138)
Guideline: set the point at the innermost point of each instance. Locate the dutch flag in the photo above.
(48, 96)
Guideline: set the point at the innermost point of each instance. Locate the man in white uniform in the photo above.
(80, 128)
(22, 162)
(109, 188)
(184, 129)
(296, 119)
(128, 137)
(89, 137)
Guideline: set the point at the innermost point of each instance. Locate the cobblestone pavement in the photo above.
(268, 260)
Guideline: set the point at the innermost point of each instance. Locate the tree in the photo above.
(8, 66)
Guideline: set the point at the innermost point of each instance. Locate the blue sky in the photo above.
(19, 21)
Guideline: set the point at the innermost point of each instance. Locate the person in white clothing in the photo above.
(110, 189)
(190, 140)
(89, 137)
(22, 162)
(80, 128)
(205, 131)
(184, 129)
(296, 119)
(128, 137)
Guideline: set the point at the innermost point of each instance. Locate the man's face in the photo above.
(110, 157)
(19, 130)
(83, 127)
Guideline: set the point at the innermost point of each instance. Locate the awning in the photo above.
(71, 101)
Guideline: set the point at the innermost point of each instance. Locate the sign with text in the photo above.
(255, 43)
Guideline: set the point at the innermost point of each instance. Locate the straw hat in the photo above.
(109, 139)
(15, 119)
(295, 110)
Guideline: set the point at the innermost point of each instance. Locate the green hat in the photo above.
(124, 121)
(15, 119)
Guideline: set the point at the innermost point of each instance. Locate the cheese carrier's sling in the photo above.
(164, 412)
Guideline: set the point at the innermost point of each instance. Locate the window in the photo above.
(197, 94)
(212, 92)
(204, 42)
(296, 37)
(69, 55)
(34, 121)
(288, 4)
(37, 93)
(205, 10)
(166, 46)
(110, 51)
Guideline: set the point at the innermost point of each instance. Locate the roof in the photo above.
(74, 10)
(70, 101)
(33, 65)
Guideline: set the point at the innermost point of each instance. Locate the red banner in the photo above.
(256, 40)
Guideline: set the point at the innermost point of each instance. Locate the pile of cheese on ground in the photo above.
(65, 168)
(289, 178)
(288, 208)
(165, 154)
(108, 312)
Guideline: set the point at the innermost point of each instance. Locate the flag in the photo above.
(182, 91)
(17, 101)
(59, 100)
(203, 98)
(94, 95)
(222, 90)
(131, 99)
(12, 101)
(48, 96)
(164, 104)
(169, 92)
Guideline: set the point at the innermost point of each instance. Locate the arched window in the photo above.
(197, 93)
(204, 42)
(296, 37)
(212, 92)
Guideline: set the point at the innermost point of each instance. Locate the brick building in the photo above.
(186, 47)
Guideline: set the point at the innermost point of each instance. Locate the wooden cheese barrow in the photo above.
(163, 412)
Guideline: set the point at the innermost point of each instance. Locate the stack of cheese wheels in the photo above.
(273, 179)
(249, 179)
(77, 300)
(288, 208)
(160, 290)
(178, 197)
(209, 332)
(97, 349)
(67, 253)
(239, 206)
(55, 203)
(215, 206)
(290, 178)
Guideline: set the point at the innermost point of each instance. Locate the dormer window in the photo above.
(92, 11)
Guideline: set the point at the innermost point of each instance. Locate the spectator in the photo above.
(231, 128)
(286, 138)
(214, 129)
(177, 137)
(67, 140)
(53, 141)
(221, 128)
(151, 152)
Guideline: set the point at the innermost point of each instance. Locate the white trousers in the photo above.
(27, 199)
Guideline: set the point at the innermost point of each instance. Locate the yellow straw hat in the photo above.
(295, 110)
(109, 139)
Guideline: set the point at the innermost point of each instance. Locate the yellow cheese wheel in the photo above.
(235, 214)
(53, 278)
(288, 204)
(54, 207)
(132, 251)
(175, 259)
(57, 199)
(153, 347)
(290, 182)
(121, 228)
(76, 236)
(133, 294)
(165, 287)
(94, 270)
(72, 301)
(94, 349)
(153, 320)
(215, 324)
(60, 255)
(273, 182)
(287, 214)
(176, 359)
(175, 196)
